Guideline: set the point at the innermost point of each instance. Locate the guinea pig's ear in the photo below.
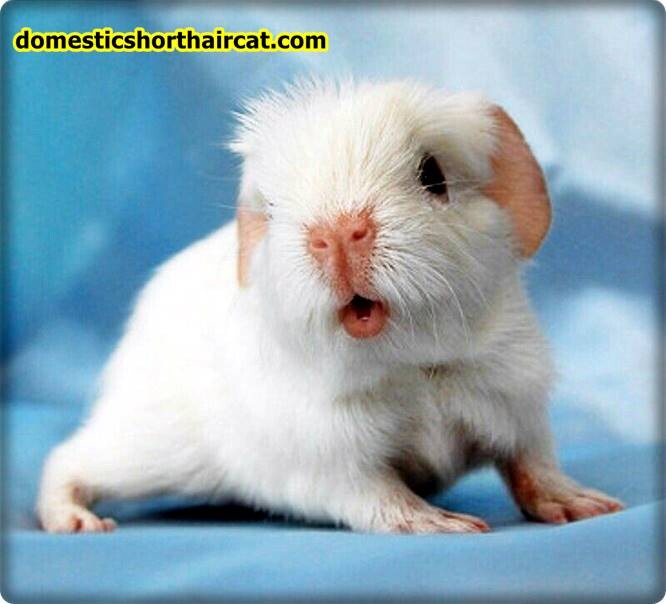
(518, 184)
(251, 223)
(251, 229)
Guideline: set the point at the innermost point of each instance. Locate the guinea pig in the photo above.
(358, 338)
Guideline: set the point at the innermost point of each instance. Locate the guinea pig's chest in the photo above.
(305, 422)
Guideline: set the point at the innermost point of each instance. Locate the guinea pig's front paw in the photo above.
(429, 520)
(544, 493)
(75, 519)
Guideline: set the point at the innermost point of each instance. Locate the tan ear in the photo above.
(251, 228)
(518, 185)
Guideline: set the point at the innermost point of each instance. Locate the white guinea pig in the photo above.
(358, 336)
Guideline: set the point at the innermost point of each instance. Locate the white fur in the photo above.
(258, 394)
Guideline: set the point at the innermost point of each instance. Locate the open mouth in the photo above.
(363, 318)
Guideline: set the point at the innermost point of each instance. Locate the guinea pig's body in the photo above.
(274, 363)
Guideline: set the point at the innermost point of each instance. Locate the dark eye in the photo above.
(431, 176)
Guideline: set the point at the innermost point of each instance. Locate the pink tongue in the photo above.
(363, 318)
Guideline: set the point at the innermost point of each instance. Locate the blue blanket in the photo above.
(112, 165)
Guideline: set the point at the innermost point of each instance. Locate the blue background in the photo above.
(112, 162)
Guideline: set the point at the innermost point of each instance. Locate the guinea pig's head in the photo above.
(382, 220)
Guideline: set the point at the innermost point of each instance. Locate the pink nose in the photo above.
(343, 249)
(347, 240)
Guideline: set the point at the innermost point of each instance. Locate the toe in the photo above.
(459, 526)
(75, 524)
(550, 511)
(478, 524)
(472, 523)
(109, 524)
(609, 504)
(581, 507)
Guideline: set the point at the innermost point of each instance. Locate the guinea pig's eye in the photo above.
(431, 176)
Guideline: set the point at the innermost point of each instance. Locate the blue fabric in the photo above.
(112, 164)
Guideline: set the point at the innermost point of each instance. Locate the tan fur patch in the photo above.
(518, 185)
(251, 228)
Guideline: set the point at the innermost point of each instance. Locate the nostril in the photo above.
(318, 243)
(359, 233)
